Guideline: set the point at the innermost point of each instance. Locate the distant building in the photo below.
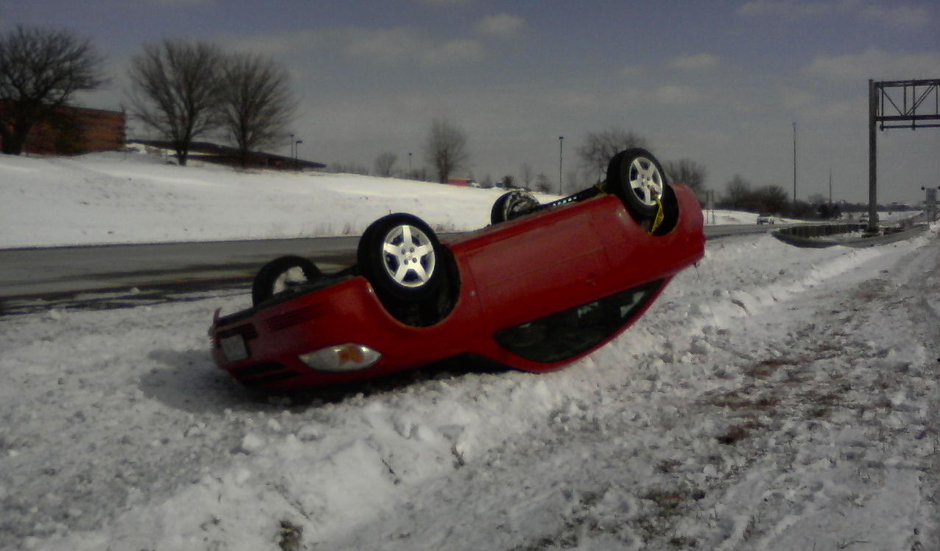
(462, 182)
(74, 130)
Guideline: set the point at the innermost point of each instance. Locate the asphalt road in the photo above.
(51, 272)
(43, 272)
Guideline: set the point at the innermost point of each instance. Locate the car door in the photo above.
(538, 265)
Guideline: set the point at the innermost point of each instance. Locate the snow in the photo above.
(772, 398)
(135, 198)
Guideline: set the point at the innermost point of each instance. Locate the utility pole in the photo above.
(561, 142)
(794, 164)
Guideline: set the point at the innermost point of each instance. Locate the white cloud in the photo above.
(453, 52)
(501, 24)
(274, 44)
(387, 46)
(797, 100)
(695, 62)
(898, 16)
(876, 64)
(175, 3)
(675, 94)
(392, 46)
(632, 71)
(787, 8)
(890, 14)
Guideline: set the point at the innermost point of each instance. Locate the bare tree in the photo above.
(689, 173)
(599, 147)
(446, 148)
(542, 183)
(40, 70)
(737, 193)
(526, 174)
(385, 164)
(574, 180)
(175, 90)
(772, 199)
(256, 103)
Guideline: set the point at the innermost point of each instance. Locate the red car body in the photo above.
(523, 285)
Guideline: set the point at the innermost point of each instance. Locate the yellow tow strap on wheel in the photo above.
(659, 217)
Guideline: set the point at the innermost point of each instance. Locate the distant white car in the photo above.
(765, 218)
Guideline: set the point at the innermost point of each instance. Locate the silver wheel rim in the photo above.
(409, 257)
(646, 181)
(289, 278)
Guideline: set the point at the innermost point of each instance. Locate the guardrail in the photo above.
(812, 236)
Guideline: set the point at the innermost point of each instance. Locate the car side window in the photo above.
(568, 333)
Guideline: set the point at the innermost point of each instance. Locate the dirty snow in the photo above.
(772, 398)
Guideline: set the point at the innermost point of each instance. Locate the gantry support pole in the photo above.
(872, 157)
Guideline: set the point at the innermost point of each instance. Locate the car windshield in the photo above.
(569, 333)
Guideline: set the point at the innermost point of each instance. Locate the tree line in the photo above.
(446, 151)
(773, 199)
(179, 89)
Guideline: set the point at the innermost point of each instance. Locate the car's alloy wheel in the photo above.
(637, 177)
(400, 255)
(281, 275)
(409, 258)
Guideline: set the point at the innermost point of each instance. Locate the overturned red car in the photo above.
(540, 287)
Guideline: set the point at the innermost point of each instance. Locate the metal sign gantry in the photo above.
(897, 104)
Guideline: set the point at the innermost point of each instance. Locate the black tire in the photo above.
(280, 275)
(638, 179)
(402, 258)
(670, 211)
(512, 205)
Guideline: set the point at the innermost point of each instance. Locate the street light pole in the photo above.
(794, 164)
(561, 142)
(296, 151)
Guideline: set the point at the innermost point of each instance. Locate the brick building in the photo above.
(74, 130)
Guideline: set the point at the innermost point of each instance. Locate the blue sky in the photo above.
(718, 82)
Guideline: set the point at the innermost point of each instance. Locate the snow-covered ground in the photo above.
(772, 398)
(139, 198)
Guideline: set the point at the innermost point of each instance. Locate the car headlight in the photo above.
(341, 358)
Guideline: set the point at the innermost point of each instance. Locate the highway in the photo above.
(53, 271)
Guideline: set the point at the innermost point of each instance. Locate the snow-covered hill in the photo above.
(134, 198)
(772, 398)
